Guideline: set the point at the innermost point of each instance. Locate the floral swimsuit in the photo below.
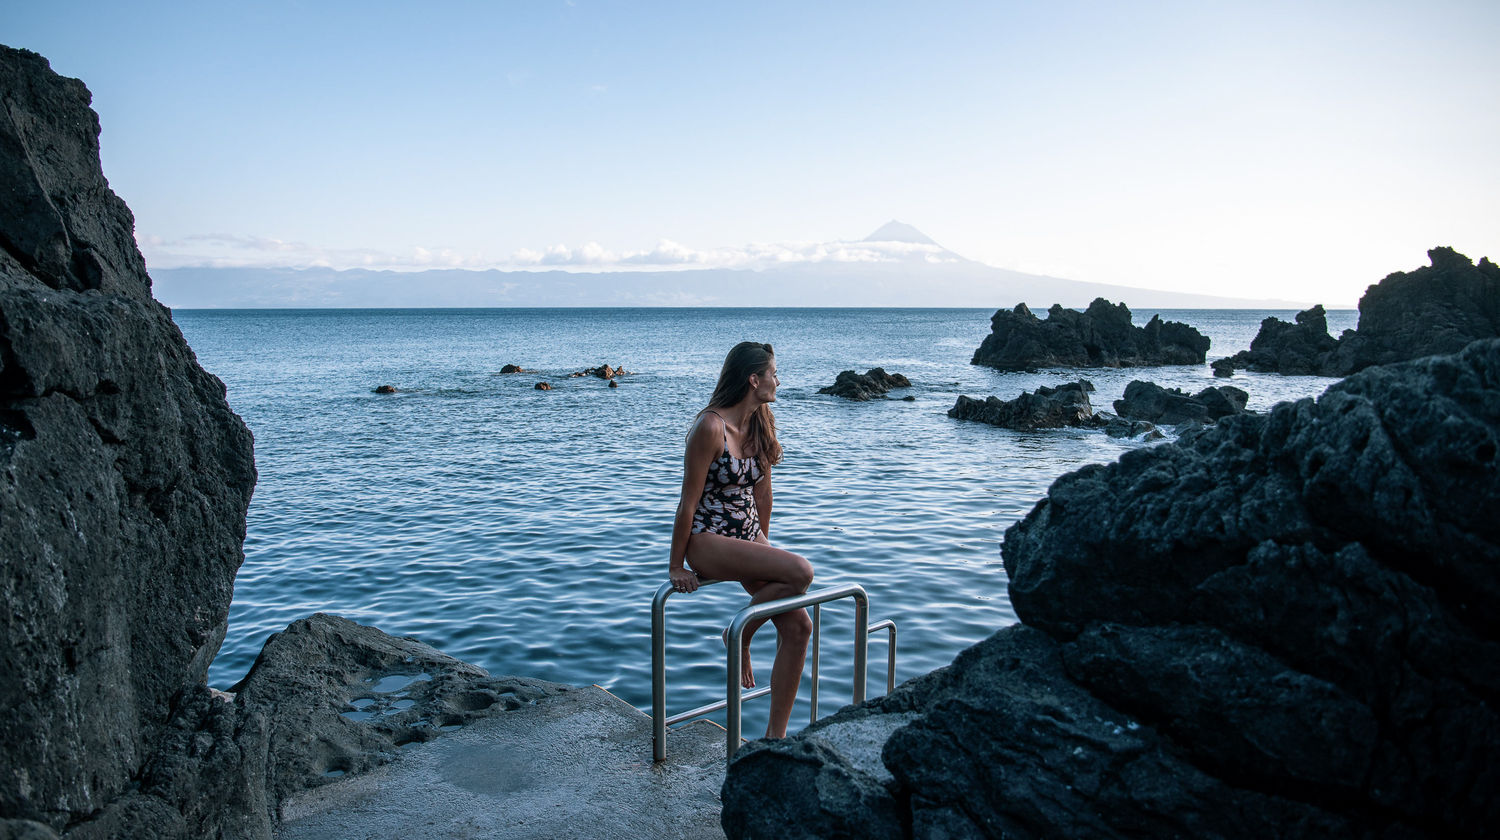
(728, 503)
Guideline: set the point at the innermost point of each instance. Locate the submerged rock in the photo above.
(1439, 308)
(513, 369)
(602, 372)
(1100, 336)
(384, 389)
(543, 386)
(126, 476)
(863, 387)
(1284, 625)
(1169, 406)
(1048, 408)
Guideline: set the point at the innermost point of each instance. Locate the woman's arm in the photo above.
(763, 502)
(702, 448)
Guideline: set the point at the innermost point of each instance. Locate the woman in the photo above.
(724, 515)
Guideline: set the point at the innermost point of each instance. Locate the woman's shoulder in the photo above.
(708, 425)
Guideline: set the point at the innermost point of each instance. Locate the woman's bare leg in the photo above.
(767, 573)
(792, 632)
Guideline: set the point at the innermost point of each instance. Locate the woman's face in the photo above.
(763, 385)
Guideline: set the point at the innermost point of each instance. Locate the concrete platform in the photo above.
(577, 765)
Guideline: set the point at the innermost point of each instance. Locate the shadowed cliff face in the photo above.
(124, 476)
(1285, 625)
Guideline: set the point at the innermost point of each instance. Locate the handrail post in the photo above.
(732, 699)
(861, 642)
(817, 618)
(659, 672)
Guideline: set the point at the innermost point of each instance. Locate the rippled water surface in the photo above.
(526, 531)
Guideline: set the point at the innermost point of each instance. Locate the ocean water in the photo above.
(526, 531)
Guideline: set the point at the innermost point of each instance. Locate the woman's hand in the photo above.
(684, 580)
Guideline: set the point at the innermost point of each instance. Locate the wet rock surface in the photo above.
(1100, 336)
(1285, 625)
(1046, 408)
(126, 476)
(601, 372)
(874, 383)
(1439, 308)
(1152, 403)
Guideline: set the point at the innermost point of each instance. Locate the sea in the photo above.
(526, 531)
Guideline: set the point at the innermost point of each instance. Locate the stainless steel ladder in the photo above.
(733, 693)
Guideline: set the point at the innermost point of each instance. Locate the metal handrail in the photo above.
(733, 694)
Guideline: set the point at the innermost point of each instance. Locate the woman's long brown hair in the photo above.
(746, 358)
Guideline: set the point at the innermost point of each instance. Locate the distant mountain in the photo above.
(896, 265)
(817, 284)
(894, 231)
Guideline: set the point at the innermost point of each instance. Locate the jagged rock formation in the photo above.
(1301, 349)
(1100, 336)
(1439, 308)
(1170, 406)
(863, 387)
(1048, 408)
(124, 476)
(1286, 625)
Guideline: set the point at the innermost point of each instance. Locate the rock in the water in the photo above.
(1286, 625)
(1048, 408)
(1169, 406)
(863, 387)
(514, 369)
(1100, 336)
(1116, 426)
(602, 372)
(126, 474)
(1439, 308)
(543, 386)
(384, 389)
(613, 384)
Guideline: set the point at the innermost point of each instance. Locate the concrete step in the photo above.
(576, 765)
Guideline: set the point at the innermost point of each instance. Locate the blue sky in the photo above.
(1259, 149)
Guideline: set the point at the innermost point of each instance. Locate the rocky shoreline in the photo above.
(1280, 626)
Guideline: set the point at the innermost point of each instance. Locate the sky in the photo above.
(1266, 149)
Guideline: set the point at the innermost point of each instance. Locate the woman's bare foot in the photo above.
(747, 676)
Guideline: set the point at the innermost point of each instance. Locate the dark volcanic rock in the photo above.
(602, 372)
(1049, 408)
(863, 387)
(325, 698)
(1169, 406)
(339, 697)
(832, 798)
(1435, 309)
(1303, 348)
(125, 475)
(514, 369)
(1287, 625)
(543, 386)
(384, 389)
(1100, 336)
